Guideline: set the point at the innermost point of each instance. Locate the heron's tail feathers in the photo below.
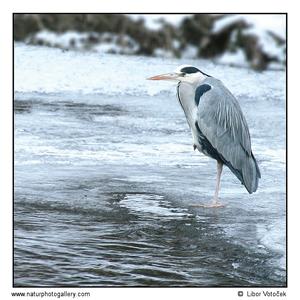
(250, 174)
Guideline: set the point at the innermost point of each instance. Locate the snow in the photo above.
(260, 26)
(153, 21)
(233, 58)
(105, 42)
(259, 23)
(61, 39)
(190, 52)
(159, 52)
(51, 70)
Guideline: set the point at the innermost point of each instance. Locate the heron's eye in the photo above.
(182, 74)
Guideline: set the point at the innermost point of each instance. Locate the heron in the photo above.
(218, 125)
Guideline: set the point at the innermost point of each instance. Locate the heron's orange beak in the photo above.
(168, 76)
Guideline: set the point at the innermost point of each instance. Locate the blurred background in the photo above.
(256, 41)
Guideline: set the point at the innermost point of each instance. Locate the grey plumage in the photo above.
(217, 123)
(221, 121)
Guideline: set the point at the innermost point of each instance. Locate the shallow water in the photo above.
(105, 178)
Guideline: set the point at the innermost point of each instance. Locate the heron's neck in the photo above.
(186, 95)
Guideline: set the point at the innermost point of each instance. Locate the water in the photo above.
(105, 178)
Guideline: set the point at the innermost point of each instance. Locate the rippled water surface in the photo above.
(106, 176)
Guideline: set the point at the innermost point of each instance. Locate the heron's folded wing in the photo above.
(221, 121)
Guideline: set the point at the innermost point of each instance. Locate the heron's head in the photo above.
(184, 73)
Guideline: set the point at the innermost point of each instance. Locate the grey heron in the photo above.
(219, 128)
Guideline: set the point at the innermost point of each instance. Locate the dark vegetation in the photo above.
(193, 31)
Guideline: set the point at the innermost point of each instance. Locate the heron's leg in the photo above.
(219, 173)
(215, 202)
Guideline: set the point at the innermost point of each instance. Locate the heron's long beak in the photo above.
(168, 76)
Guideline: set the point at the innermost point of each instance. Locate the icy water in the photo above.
(106, 175)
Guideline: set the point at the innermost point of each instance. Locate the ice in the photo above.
(44, 70)
(94, 121)
(273, 236)
(47, 70)
(275, 155)
(154, 206)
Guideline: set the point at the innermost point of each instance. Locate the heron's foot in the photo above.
(214, 204)
(195, 147)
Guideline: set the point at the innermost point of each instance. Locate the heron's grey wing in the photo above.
(221, 121)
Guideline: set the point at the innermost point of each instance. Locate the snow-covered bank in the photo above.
(268, 33)
(251, 40)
